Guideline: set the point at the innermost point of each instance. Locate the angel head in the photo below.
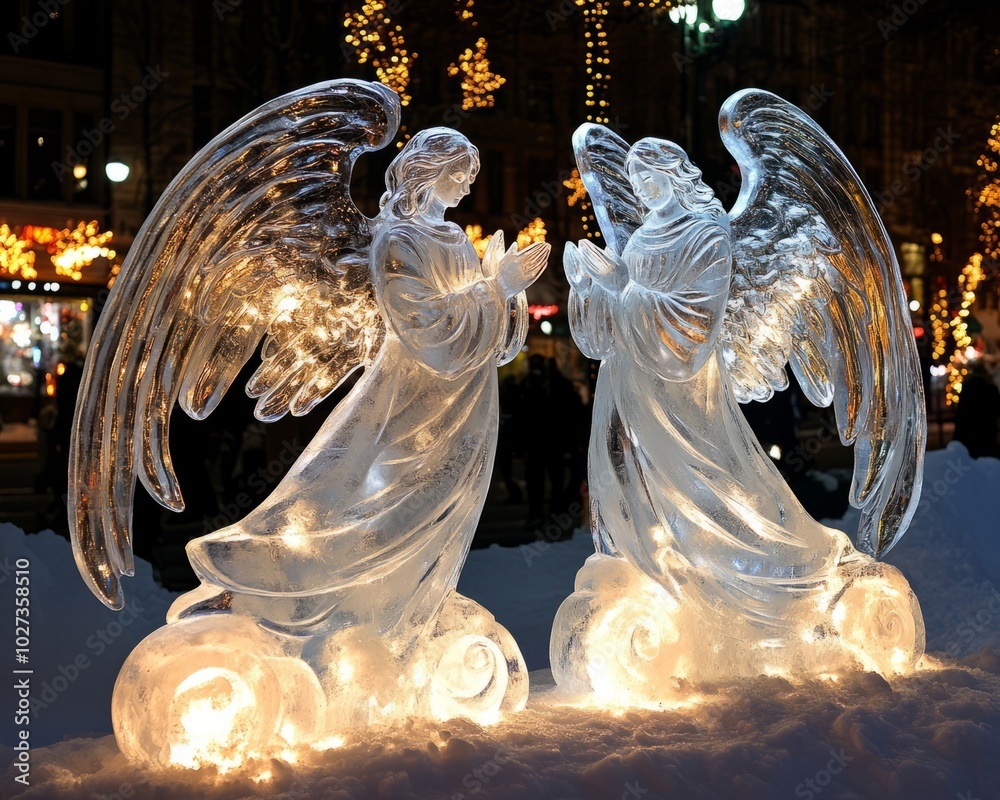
(436, 168)
(661, 173)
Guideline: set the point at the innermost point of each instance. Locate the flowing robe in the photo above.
(373, 522)
(679, 484)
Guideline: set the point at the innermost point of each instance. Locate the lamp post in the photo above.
(702, 25)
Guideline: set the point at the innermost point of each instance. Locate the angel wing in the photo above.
(256, 238)
(816, 285)
(600, 157)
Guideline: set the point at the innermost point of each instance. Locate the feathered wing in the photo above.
(600, 158)
(816, 285)
(256, 238)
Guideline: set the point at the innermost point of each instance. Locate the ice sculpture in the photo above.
(706, 564)
(333, 604)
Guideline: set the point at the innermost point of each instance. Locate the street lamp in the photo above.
(702, 24)
(116, 171)
(729, 10)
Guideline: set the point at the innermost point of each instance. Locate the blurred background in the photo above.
(103, 101)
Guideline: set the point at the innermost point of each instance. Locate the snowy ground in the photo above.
(935, 734)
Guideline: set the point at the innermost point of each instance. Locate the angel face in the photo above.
(454, 182)
(653, 188)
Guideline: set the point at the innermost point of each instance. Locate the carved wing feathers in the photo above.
(816, 285)
(257, 238)
(600, 157)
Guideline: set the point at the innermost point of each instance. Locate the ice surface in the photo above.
(333, 604)
(706, 563)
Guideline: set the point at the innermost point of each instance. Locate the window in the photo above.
(85, 173)
(44, 150)
(8, 147)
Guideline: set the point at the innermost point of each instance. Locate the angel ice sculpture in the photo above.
(706, 563)
(334, 602)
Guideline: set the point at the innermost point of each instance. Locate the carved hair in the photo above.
(413, 173)
(691, 192)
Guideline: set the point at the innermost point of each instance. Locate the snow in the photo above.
(933, 734)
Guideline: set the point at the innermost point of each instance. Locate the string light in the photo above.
(478, 80)
(533, 232)
(16, 255)
(987, 194)
(968, 282)
(75, 249)
(71, 249)
(578, 196)
(597, 61)
(377, 41)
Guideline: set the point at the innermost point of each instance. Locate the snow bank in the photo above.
(935, 734)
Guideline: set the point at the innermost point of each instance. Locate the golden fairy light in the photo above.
(597, 60)
(16, 256)
(968, 282)
(578, 196)
(987, 193)
(77, 248)
(478, 80)
(533, 232)
(377, 41)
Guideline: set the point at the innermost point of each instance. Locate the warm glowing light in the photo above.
(478, 80)
(77, 248)
(987, 193)
(597, 60)
(963, 352)
(218, 698)
(533, 232)
(16, 255)
(775, 452)
(541, 311)
(377, 41)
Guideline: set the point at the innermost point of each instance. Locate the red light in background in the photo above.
(539, 311)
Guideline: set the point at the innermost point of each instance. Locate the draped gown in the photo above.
(372, 524)
(679, 485)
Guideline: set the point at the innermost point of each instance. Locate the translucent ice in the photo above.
(334, 602)
(706, 563)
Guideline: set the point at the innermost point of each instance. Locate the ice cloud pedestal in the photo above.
(621, 637)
